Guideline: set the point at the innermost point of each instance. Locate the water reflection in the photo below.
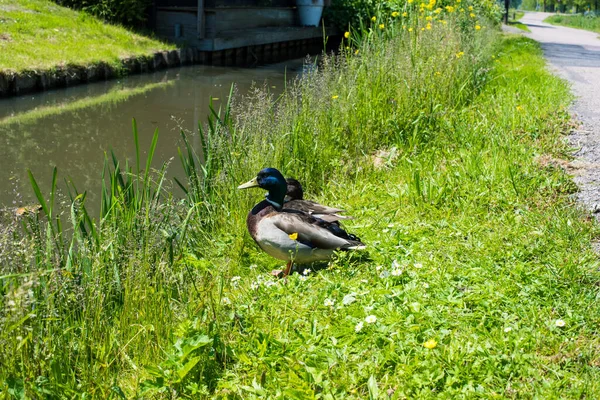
(73, 128)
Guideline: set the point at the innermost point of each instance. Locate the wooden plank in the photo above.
(201, 21)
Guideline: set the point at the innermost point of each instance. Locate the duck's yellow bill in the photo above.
(249, 184)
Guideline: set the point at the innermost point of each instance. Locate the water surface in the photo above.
(74, 127)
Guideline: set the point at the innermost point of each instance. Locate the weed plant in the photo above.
(587, 22)
(443, 141)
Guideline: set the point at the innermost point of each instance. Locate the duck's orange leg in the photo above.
(283, 273)
(288, 268)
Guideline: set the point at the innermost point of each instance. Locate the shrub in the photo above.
(126, 12)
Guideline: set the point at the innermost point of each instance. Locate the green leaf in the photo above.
(373, 389)
(188, 367)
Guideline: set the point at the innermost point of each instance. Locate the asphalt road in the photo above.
(574, 55)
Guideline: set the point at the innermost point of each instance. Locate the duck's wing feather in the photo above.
(312, 207)
(315, 232)
(326, 213)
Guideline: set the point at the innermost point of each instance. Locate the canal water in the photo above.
(73, 128)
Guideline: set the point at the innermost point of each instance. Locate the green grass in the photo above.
(589, 23)
(514, 17)
(39, 34)
(447, 154)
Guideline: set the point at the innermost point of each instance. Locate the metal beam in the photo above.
(201, 21)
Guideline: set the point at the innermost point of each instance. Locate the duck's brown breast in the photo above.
(258, 212)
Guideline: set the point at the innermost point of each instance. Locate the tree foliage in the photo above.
(559, 5)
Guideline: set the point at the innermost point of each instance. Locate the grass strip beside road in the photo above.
(588, 23)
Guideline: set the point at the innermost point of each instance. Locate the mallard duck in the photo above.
(290, 234)
(294, 199)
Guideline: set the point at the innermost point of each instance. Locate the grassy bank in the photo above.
(39, 34)
(589, 23)
(478, 281)
(513, 19)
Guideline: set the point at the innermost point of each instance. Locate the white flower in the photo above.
(397, 272)
(358, 327)
(329, 302)
(507, 329)
(395, 264)
(226, 301)
(426, 285)
(418, 265)
(306, 272)
(254, 285)
(560, 323)
(270, 283)
(235, 280)
(371, 319)
(378, 268)
(364, 281)
(253, 266)
(303, 278)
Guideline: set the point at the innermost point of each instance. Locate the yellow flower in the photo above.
(462, 9)
(438, 10)
(347, 47)
(429, 18)
(347, 35)
(430, 344)
(422, 29)
(460, 54)
(457, 1)
(356, 52)
(395, 14)
(477, 27)
(519, 108)
(438, 73)
(410, 1)
(381, 26)
(443, 22)
(405, 14)
(450, 9)
(472, 15)
(373, 18)
(428, 26)
(470, 8)
(410, 29)
(294, 235)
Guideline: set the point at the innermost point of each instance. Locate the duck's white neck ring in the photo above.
(275, 204)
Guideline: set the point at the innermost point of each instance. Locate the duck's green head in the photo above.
(271, 180)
